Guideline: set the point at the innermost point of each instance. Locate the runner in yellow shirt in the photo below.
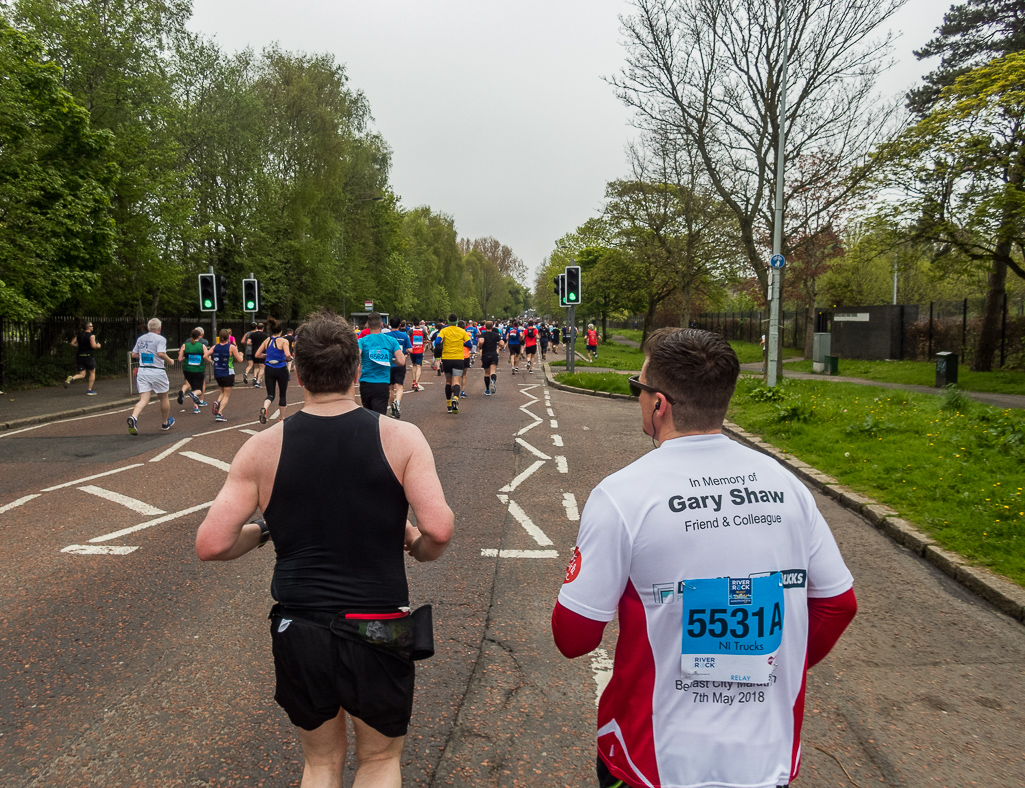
(449, 343)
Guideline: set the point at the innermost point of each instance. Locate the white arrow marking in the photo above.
(503, 498)
(224, 466)
(528, 525)
(168, 452)
(15, 504)
(95, 549)
(225, 429)
(127, 501)
(491, 552)
(569, 503)
(150, 523)
(560, 463)
(90, 478)
(532, 450)
(529, 427)
(522, 477)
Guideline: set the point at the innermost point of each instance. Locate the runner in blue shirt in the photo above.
(398, 371)
(377, 353)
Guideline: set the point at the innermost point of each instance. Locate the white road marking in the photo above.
(224, 466)
(274, 415)
(553, 424)
(532, 450)
(503, 498)
(569, 503)
(225, 429)
(168, 452)
(601, 664)
(90, 478)
(551, 412)
(529, 427)
(150, 523)
(528, 525)
(557, 440)
(95, 549)
(525, 388)
(250, 432)
(62, 421)
(522, 477)
(560, 463)
(125, 500)
(15, 504)
(491, 552)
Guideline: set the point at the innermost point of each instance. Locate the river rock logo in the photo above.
(574, 566)
(665, 593)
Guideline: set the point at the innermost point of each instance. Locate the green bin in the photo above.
(832, 365)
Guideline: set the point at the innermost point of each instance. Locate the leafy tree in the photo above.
(961, 170)
(498, 253)
(55, 226)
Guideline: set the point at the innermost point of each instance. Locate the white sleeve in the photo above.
(828, 575)
(596, 579)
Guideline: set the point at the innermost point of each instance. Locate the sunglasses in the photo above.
(636, 387)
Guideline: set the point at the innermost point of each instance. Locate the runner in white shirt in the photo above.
(727, 581)
(151, 378)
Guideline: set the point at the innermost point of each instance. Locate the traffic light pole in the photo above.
(213, 315)
(253, 314)
(571, 350)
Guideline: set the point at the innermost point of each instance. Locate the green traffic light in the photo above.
(572, 296)
(250, 306)
(208, 302)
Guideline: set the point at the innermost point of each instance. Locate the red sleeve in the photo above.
(827, 619)
(574, 634)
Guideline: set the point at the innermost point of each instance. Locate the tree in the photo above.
(55, 225)
(709, 73)
(498, 253)
(961, 170)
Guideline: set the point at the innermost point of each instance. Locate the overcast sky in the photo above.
(496, 112)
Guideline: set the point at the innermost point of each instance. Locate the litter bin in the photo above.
(832, 365)
(946, 369)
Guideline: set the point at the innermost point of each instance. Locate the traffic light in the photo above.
(560, 288)
(207, 292)
(573, 294)
(222, 291)
(250, 295)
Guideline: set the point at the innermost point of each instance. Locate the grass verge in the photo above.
(923, 373)
(611, 355)
(950, 465)
(596, 381)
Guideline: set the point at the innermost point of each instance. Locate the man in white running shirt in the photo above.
(727, 582)
(151, 351)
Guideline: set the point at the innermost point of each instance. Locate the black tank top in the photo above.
(337, 516)
(85, 343)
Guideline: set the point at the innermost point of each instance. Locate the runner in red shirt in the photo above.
(592, 342)
(418, 338)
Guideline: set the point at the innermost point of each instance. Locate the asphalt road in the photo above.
(144, 666)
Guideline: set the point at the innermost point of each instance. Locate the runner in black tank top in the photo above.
(339, 539)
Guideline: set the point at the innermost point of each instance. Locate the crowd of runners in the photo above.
(265, 352)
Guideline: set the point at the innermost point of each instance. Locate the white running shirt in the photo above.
(149, 347)
(686, 543)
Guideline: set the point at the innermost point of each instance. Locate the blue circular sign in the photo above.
(777, 261)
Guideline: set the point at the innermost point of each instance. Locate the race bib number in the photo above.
(732, 627)
(380, 356)
(147, 358)
(194, 359)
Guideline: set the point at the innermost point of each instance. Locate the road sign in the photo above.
(777, 261)
(368, 306)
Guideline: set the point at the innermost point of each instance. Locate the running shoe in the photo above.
(450, 408)
(263, 415)
(391, 409)
(133, 425)
(530, 371)
(462, 394)
(67, 381)
(245, 378)
(170, 423)
(196, 409)
(494, 386)
(181, 397)
(256, 383)
(90, 393)
(455, 404)
(202, 403)
(219, 417)
(398, 411)
(487, 392)
(216, 408)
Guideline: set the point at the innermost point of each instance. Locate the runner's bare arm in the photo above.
(261, 352)
(226, 532)
(419, 479)
(400, 358)
(167, 358)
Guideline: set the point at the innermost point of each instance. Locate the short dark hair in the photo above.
(395, 322)
(374, 320)
(326, 353)
(697, 370)
(452, 318)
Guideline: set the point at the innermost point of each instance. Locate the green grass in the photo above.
(611, 355)
(596, 381)
(923, 373)
(950, 465)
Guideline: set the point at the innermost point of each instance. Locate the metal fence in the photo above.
(39, 352)
(955, 326)
(750, 326)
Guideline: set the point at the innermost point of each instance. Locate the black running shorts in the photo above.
(226, 381)
(416, 359)
(530, 350)
(514, 350)
(86, 363)
(452, 366)
(196, 380)
(490, 360)
(319, 672)
(374, 396)
(398, 374)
